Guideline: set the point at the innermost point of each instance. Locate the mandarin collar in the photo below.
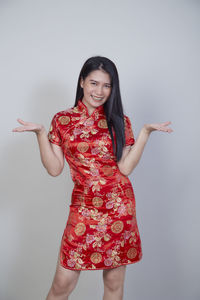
(83, 108)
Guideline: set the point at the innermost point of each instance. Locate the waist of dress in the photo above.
(82, 180)
(96, 195)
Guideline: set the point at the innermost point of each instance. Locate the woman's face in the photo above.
(96, 89)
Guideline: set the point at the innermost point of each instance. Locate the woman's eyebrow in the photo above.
(97, 81)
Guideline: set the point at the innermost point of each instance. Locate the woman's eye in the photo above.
(93, 83)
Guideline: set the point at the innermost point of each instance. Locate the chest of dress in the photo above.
(87, 137)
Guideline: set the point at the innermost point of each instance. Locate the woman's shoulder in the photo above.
(64, 117)
(67, 112)
(127, 122)
(126, 119)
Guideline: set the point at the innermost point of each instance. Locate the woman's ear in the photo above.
(81, 82)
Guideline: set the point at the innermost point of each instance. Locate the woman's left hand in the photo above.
(157, 126)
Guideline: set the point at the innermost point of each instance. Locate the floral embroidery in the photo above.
(101, 230)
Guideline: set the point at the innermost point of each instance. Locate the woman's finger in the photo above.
(23, 128)
(21, 121)
(162, 127)
(166, 129)
(17, 129)
(165, 123)
(20, 129)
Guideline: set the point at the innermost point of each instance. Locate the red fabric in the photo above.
(101, 230)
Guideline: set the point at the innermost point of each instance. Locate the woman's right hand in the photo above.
(51, 155)
(28, 126)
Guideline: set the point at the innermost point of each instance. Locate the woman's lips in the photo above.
(97, 98)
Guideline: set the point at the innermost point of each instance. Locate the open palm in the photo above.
(28, 126)
(158, 126)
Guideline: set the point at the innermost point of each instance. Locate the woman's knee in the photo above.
(64, 281)
(114, 278)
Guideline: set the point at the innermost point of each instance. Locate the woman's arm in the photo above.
(51, 155)
(132, 154)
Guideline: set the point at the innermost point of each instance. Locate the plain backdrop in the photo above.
(155, 45)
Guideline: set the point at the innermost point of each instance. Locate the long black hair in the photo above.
(113, 106)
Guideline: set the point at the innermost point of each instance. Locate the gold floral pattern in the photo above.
(80, 229)
(107, 170)
(101, 230)
(97, 201)
(102, 124)
(132, 252)
(96, 257)
(82, 147)
(64, 120)
(129, 193)
(117, 226)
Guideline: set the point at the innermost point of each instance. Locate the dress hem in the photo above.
(103, 268)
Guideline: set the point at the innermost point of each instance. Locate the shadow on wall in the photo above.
(35, 206)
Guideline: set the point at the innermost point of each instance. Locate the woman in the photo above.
(98, 143)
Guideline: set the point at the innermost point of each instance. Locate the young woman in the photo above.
(96, 139)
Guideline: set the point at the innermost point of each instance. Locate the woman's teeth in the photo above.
(97, 98)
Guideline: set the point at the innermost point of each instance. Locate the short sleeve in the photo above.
(129, 137)
(54, 133)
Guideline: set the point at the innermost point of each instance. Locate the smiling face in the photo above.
(96, 89)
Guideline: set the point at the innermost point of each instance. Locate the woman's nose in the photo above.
(99, 90)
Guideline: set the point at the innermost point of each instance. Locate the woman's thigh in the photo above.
(65, 277)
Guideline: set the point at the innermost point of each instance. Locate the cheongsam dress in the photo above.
(101, 230)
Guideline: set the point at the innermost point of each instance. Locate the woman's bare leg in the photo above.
(114, 283)
(64, 283)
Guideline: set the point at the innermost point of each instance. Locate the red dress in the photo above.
(101, 230)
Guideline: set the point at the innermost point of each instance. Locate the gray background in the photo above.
(155, 45)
